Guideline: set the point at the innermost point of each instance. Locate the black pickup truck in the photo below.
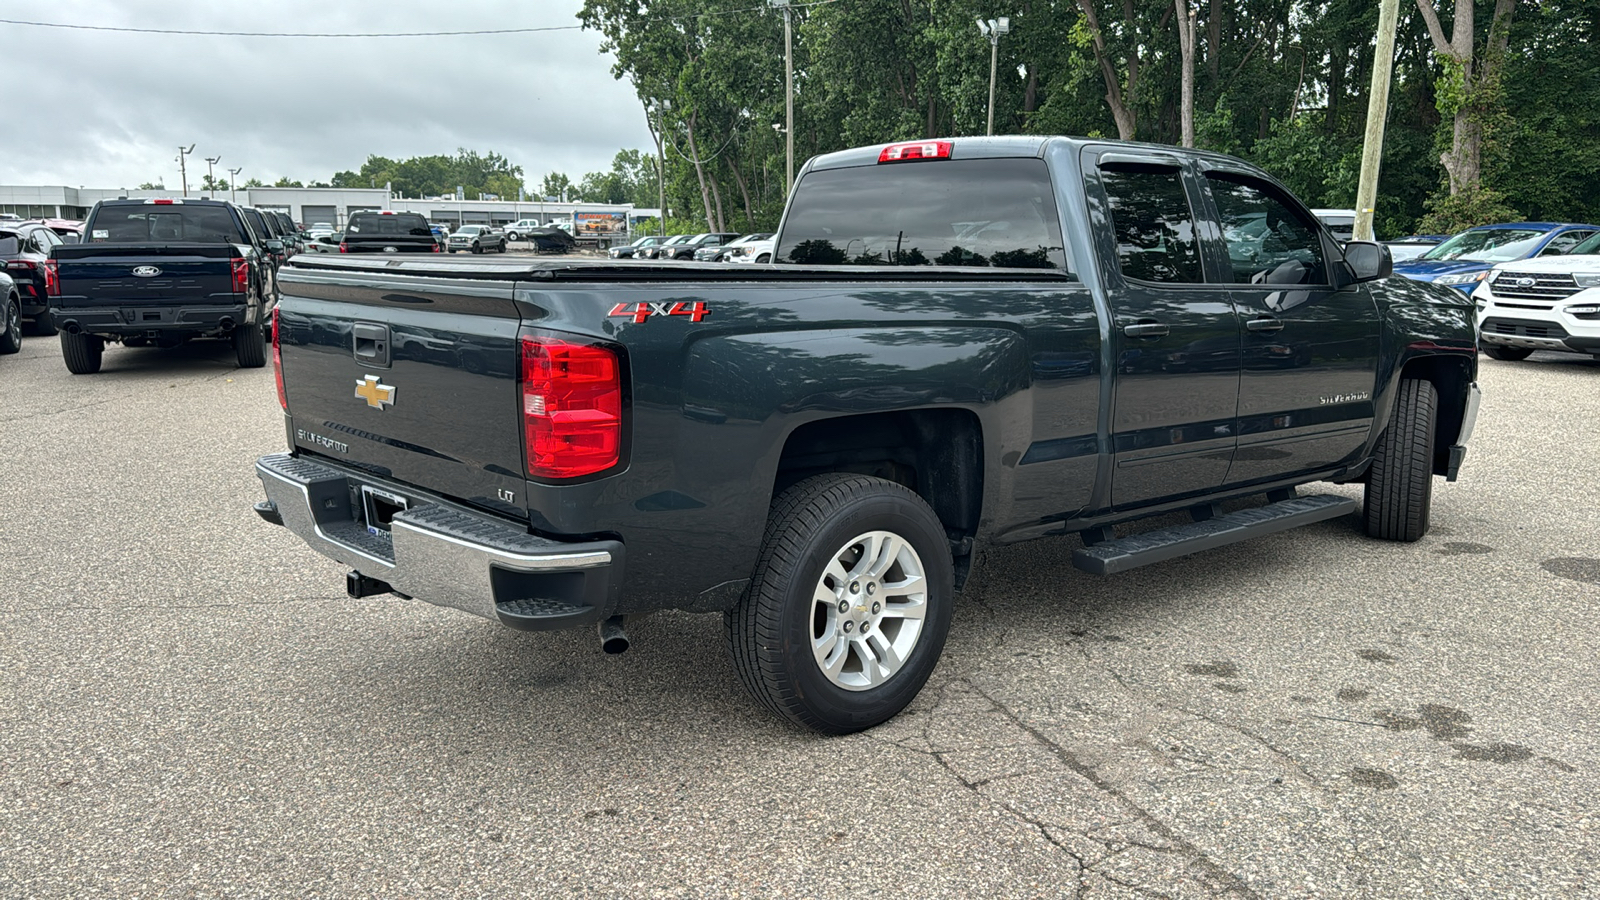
(387, 231)
(963, 343)
(158, 273)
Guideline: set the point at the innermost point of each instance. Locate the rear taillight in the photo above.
(52, 278)
(241, 275)
(343, 247)
(277, 360)
(571, 408)
(20, 264)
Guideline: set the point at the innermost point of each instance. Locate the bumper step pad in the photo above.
(1111, 557)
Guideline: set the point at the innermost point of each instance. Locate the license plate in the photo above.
(379, 508)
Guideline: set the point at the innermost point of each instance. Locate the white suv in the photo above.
(1545, 303)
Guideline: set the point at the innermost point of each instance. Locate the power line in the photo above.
(370, 34)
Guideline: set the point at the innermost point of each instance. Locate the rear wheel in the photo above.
(1400, 482)
(1507, 354)
(82, 352)
(248, 347)
(848, 609)
(11, 318)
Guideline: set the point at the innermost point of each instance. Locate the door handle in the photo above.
(1264, 325)
(1146, 329)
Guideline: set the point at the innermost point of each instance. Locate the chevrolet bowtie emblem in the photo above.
(375, 392)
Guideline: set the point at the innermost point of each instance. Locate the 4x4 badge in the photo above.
(375, 392)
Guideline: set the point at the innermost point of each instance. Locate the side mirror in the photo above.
(1368, 260)
(275, 245)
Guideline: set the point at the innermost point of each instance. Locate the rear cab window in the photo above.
(144, 223)
(397, 224)
(958, 212)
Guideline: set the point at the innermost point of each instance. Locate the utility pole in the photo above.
(183, 169)
(661, 177)
(233, 184)
(1377, 115)
(788, 88)
(992, 29)
(211, 161)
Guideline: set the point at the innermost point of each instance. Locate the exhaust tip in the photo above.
(226, 324)
(613, 638)
(70, 326)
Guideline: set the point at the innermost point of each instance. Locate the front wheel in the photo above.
(82, 352)
(849, 605)
(477, 248)
(764, 258)
(1400, 482)
(1507, 354)
(11, 342)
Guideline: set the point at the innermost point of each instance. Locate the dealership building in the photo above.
(311, 205)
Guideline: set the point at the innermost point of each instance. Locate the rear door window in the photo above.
(965, 212)
(1153, 224)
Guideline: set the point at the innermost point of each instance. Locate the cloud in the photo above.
(117, 106)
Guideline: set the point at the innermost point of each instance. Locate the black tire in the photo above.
(43, 326)
(764, 258)
(11, 321)
(512, 237)
(248, 347)
(477, 247)
(82, 352)
(1507, 354)
(1400, 482)
(771, 628)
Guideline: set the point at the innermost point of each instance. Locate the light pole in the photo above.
(992, 29)
(211, 161)
(233, 184)
(788, 89)
(183, 169)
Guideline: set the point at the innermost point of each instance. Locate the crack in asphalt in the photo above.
(1225, 881)
(1283, 756)
(1212, 874)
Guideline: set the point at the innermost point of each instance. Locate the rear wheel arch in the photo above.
(937, 453)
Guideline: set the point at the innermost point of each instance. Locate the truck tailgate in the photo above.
(124, 274)
(410, 378)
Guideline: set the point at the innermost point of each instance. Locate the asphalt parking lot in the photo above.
(191, 707)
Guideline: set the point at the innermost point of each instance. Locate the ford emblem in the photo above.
(1526, 282)
(391, 249)
(146, 271)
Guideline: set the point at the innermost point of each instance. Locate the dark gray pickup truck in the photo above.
(962, 343)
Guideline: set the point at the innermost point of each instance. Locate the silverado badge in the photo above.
(375, 392)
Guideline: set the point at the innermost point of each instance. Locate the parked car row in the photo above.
(713, 246)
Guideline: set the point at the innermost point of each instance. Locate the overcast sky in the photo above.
(103, 109)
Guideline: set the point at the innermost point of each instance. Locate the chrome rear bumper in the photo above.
(440, 552)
